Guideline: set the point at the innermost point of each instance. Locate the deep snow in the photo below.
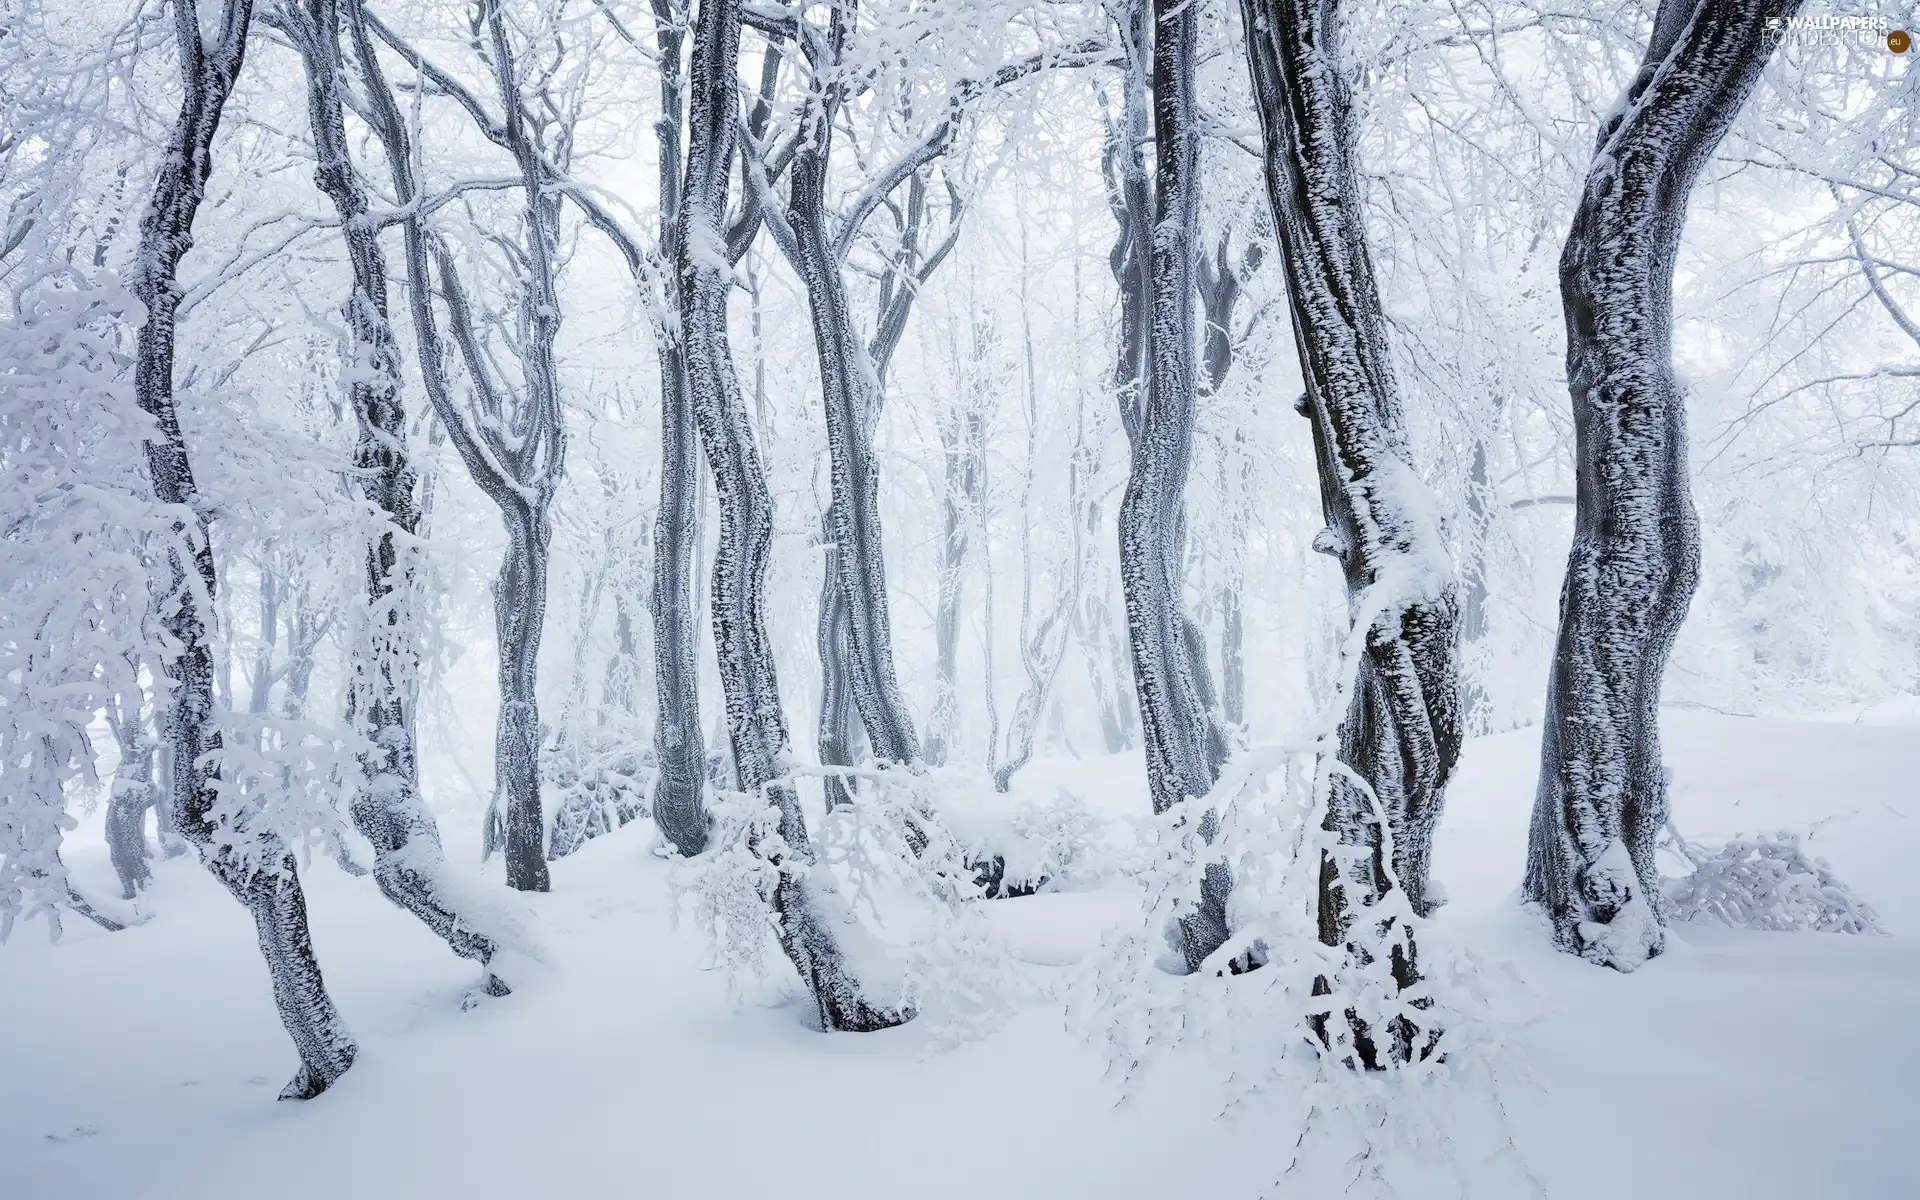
(144, 1064)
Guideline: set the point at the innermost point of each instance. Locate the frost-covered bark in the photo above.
(811, 916)
(1636, 546)
(387, 807)
(1401, 733)
(259, 869)
(513, 443)
(855, 630)
(679, 807)
(135, 792)
(1181, 744)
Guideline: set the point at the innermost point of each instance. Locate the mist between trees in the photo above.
(785, 422)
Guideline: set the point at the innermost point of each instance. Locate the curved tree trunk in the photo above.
(387, 808)
(1401, 733)
(811, 914)
(262, 874)
(1636, 545)
(850, 389)
(134, 793)
(1181, 760)
(679, 807)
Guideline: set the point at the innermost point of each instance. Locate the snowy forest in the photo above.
(1247, 598)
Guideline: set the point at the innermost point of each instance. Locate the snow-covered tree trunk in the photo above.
(1182, 762)
(261, 873)
(135, 792)
(679, 807)
(856, 628)
(1401, 733)
(1636, 547)
(387, 808)
(811, 916)
(514, 444)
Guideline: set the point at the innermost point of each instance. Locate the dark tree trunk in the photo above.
(262, 875)
(1401, 733)
(1636, 547)
(516, 452)
(1181, 742)
(387, 808)
(809, 911)
(679, 806)
(855, 626)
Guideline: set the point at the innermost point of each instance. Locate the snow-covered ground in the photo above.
(144, 1064)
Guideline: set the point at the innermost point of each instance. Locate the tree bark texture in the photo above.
(809, 912)
(679, 806)
(1182, 762)
(1401, 733)
(262, 875)
(387, 808)
(1635, 557)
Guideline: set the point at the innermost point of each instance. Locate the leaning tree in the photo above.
(813, 919)
(1400, 736)
(1635, 559)
(258, 868)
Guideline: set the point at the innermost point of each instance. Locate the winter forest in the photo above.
(857, 598)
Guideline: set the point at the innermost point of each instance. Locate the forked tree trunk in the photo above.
(856, 636)
(260, 874)
(811, 915)
(1636, 545)
(387, 807)
(1401, 733)
(1182, 755)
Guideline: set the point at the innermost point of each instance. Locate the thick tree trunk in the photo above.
(810, 913)
(1636, 552)
(1401, 733)
(262, 873)
(1182, 763)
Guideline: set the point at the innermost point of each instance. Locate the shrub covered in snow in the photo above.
(1020, 847)
(1766, 881)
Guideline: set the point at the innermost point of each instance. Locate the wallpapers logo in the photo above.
(1832, 27)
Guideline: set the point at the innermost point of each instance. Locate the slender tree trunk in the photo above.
(679, 807)
(387, 808)
(1401, 733)
(850, 387)
(134, 794)
(1181, 760)
(519, 612)
(1636, 545)
(262, 874)
(1222, 281)
(810, 913)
